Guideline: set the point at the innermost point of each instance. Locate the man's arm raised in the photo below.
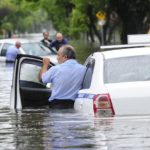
(44, 68)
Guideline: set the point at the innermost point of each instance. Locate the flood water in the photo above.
(43, 129)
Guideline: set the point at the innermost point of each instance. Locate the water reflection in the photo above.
(43, 129)
(71, 131)
(29, 129)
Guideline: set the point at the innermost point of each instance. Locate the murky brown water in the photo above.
(42, 129)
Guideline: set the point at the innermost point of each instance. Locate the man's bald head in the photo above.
(18, 44)
(59, 36)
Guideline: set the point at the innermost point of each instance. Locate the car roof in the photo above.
(12, 41)
(125, 52)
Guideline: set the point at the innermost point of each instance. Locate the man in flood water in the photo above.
(46, 41)
(12, 52)
(58, 42)
(66, 77)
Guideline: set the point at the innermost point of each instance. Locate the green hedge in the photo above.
(83, 50)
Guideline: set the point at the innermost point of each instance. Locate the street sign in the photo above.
(101, 15)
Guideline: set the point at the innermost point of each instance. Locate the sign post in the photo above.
(101, 17)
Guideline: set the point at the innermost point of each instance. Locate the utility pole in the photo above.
(101, 22)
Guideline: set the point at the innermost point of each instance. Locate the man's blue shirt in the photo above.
(12, 53)
(66, 79)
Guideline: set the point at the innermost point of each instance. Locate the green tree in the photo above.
(6, 9)
(59, 12)
(78, 17)
(73, 17)
(20, 15)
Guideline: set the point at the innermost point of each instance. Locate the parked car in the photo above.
(116, 82)
(29, 47)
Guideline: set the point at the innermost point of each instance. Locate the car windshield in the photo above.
(127, 69)
(36, 49)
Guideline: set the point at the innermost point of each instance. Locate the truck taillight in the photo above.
(102, 105)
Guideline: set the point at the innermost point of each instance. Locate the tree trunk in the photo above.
(90, 34)
(131, 14)
(92, 27)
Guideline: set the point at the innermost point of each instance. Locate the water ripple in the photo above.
(44, 129)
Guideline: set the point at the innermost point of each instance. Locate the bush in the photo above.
(83, 50)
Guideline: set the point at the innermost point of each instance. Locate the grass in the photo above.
(83, 50)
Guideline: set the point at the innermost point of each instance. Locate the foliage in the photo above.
(78, 23)
(21, 15)
(59, 12)
(83, 50)
(75, 18)
(6, 8)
